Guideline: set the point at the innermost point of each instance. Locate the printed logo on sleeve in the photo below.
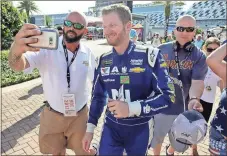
(136, 62)
(146, 109)
(109, 80)
(137, 70)
(86, 63)
(107, 62)
(163, 65)
(105, 71)
(124, 70)
(116, 71)
(124, 80)
(172, 98)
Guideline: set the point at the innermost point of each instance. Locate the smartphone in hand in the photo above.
(47, 40)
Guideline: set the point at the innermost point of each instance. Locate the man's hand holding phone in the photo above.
(47, 40)
(31, 38)
(23, 38)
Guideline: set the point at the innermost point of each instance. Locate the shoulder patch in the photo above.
(106, 54)
(141, 47)
(140, 50)
(152, 56)
(98, 60)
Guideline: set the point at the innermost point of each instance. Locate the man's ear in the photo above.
(174, 32)
(195, 31)
(128, 26)
(85, 31)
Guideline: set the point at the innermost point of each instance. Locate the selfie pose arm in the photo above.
(216, 61)
(16, 59)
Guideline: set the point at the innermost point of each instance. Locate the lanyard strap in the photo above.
(68, 65)
(175, 48)
(178, 64)
(178, 72)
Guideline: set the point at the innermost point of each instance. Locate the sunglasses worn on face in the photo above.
(209, 50)
(188, 29)
(75, 25)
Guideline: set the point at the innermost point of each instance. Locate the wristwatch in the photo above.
(194, 97)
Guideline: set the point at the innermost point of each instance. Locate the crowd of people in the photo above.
(145, 88)
(198, 39)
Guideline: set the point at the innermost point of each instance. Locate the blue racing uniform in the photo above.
(138, 77)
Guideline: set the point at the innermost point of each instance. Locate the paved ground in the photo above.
(21, 106)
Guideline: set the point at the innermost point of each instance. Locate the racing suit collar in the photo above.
(130, 48)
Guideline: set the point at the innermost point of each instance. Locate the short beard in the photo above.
(71, 40)
(119, 39)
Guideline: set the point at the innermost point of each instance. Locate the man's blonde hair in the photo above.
(123, 12)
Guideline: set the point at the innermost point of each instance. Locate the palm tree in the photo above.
(24, 16)
(168, 12)
(179, 3)
(158, 2)
(29, 7)
(48, 20)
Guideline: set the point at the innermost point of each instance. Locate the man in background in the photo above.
(199, 41)
(60, 30)
(193, 68)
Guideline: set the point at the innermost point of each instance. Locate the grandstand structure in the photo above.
(99, 4)
(57, 19)
(208, 14)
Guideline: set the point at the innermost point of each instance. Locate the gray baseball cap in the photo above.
(189, 128)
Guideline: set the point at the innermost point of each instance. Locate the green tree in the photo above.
(167, 15)
(24, 16)
(179, 3)
(48, 20)
(199, 31)
(29, 7)
(10, 23)
(158, 2)
(168, 5)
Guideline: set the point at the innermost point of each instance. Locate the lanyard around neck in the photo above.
(175, 48)
(178, 73)
(69, 64)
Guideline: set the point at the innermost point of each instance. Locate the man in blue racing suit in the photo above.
(134, 82)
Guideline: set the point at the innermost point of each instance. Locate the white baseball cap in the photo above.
(189, 128)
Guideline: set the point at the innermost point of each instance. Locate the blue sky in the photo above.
(54, 7)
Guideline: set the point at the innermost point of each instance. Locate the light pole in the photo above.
(130, 5)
